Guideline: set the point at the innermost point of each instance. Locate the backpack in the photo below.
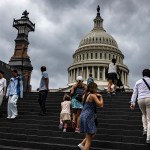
(79, 93)
(90, 80)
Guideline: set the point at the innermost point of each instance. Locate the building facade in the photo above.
(94, 54)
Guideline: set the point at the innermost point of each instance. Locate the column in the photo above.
(104, 78)
(77, 71)
(87, 73)
(68, 76)
(73, 74)
(93, 72)
(125, 77)
(98, 73)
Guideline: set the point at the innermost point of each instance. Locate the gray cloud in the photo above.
(61, 24)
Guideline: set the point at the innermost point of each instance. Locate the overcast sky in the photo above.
(61, 24)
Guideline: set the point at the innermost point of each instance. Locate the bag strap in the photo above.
(146, 83)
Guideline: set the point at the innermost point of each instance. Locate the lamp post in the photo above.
(20, 60)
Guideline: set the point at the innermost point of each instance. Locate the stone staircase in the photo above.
(119, 128)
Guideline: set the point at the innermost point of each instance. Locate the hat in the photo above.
(79, 78)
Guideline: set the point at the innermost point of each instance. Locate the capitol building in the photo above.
(94, 53)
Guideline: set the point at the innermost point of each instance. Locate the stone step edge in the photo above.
(77, 139)
(16, 148)
(80, 133)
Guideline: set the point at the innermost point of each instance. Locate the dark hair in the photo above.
(15, 71)
(2, 72)
(146, 72)
(114, 61)
(90, 74)
(67, 97)
(43, 68)
(91, 88)
(79, 84)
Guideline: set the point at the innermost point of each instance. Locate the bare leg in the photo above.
(84, 140)
(74, 116)
(78, 118)
(88, 141)
(115, 85)
(109, 85)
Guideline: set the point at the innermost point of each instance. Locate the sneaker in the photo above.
(8, 117)
(13, 117)
(81, 146)
(64, 130)
(144, 132)
(148, 141)
(77, 130)
(114, 93)
(60, 125)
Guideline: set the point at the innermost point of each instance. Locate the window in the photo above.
(87, 55)
(100, 55)
(83, 56)
(105, 55)
(109, 57)
(95, 55)
(91, 55)
(80, 57)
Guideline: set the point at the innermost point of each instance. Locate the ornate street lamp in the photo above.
(20, 60)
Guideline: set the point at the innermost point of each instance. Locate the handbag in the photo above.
(79, 97)
(79, 92)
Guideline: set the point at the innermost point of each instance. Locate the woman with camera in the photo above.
(87, 120)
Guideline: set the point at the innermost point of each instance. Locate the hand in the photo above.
(37, 89)
(132, 107)
(98, 96)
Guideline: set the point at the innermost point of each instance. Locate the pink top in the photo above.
(65, 107)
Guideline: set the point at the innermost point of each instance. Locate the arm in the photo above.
(134, 95)
(21, 88)
(72, 90)
(47, 83)
(64, 96)
(98, 100)
(4, 88)
(8, 88)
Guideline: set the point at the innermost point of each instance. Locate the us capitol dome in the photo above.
(94, 54)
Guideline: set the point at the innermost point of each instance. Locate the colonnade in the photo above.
(98, 73)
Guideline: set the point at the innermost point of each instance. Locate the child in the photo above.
(65, 112)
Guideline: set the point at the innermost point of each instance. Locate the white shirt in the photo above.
(141, 90)
(112, 68)
(2, 84)
(42, 82)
